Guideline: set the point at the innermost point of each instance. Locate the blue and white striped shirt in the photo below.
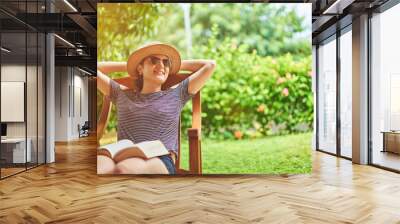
(152, 116)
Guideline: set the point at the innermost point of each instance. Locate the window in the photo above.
(327, 96)
(385, 87)
(22, 67)
(346, 93)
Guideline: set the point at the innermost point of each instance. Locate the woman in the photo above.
(150, 113)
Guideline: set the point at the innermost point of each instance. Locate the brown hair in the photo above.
(139, 84)
(139, 80)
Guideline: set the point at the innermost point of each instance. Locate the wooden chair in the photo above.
(194, 133)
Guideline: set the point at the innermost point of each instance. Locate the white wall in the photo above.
(80, 117)
(14, 72)
(33, 126)
(61, 103)
(70, 84)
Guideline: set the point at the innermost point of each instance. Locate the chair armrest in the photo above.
(103, 117)
(196, 112)
(195, 164)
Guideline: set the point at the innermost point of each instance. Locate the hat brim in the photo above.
(163, 49)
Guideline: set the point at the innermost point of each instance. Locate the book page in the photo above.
(153, 148)
(114, 148)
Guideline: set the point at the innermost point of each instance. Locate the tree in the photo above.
(268, 28)
(121, 28)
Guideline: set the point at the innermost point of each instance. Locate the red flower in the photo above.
(280, 80)
(285, 92)
(238, 134)
(261, 108)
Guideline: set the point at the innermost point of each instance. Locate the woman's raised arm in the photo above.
(202, 69)
(105, 68)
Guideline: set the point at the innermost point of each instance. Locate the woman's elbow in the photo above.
(212, 64)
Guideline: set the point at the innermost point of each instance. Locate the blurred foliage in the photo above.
(122, 27)
(250, 95)
(262, 82)
(271, 29)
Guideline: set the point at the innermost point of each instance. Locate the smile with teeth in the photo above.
(159, 72)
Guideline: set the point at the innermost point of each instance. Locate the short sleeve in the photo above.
(185, 96)
(115, 90)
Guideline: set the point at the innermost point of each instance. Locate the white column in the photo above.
(360, 90)
(50, 94)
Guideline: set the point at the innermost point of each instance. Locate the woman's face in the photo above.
(155, 69)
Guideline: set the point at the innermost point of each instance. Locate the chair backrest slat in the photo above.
(103, 117)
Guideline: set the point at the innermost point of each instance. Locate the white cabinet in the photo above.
(17, 147)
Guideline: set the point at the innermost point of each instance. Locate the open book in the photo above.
(125, 148)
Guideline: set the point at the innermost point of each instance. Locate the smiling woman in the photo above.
(155, 72)
(147, 112)
(262, 85)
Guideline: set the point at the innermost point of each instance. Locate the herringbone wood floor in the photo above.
(69, 191)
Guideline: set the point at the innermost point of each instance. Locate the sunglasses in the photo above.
(166, 62)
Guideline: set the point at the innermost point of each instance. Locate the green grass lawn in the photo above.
(286, 154)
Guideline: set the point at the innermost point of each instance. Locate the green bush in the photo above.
(251, 96)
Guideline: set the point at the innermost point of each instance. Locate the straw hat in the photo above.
(150, 49)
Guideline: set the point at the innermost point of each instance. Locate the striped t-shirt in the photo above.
(152, 116)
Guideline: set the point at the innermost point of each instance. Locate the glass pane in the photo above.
(386, 89)
(346, 94)
(327, 96)
(41, 98)
(14, 5)
(31, 100)
(13, 86)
